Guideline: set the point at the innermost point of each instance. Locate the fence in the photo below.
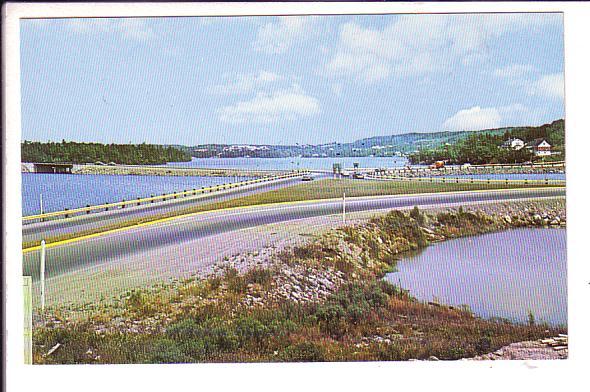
(170, 196)
(439, 179)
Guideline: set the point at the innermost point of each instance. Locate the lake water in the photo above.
(62, 191)
(291, 163)
(503, 274)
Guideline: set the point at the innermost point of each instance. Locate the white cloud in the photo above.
(477, 118)
(523, 76)
(419, 44)
(246, 83)
(473, 119)
(284, 105)
(131, 28)
(514, 71)
(278, 37)
(548, 86)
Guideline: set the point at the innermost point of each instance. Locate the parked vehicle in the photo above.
(306, 178)
(437, 165)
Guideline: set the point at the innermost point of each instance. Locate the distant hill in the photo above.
(483, 146)
(381, 146)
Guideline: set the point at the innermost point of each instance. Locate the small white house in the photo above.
(540, 147)
(513, 144)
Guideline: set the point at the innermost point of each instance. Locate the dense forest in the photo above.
(481, 148)
(73, 152)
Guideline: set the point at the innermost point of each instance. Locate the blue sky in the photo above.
(287, 80)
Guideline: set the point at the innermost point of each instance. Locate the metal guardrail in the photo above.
(441, 179)
(170, 196)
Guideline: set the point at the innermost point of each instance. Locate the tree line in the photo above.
(484, 147)
(74, 152)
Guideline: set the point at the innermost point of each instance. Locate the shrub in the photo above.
(261, 276)
(249, 329)
(214, 282)
(236, 283)
(484, 344)
(417, 216)
(165, 351)
(214, 334)
(303, 352)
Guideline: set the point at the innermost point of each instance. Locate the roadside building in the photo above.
(56, 168)
(513, 144)
(540, 147)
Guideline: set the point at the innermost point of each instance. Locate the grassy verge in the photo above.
(322, 189)
(322, 301)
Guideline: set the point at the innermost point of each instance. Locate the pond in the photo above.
(506, 274)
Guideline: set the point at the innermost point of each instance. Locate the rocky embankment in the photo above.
(550, 348)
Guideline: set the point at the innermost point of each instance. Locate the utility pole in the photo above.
(343, 208)
(42, 274)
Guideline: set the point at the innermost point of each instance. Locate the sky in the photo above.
(287, 80)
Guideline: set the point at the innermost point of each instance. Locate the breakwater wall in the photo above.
(127, 170)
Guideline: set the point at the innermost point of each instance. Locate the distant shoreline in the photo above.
(126, 170)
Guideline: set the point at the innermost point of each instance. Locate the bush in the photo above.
(303, 352)
(418, 216)
(261, 276)
(214, 334)
(236, 283)
(165, 351)
(214, 282)
(249, 329)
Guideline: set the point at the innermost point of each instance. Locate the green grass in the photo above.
(319, 189)
(331, 188)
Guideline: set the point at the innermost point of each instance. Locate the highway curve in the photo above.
(123, 245)
(36, 231)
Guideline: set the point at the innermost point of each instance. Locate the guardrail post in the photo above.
(138, 201)
(151, 198)
(123, 205)
(87, 206)
(546, 181)
(42, 274)
(66, 209)
(343, 208)
(41, 204)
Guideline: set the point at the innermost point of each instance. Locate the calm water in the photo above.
(502, 274)
(291, 163)
(71, 191)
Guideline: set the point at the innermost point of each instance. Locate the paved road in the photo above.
(125, 245)
(41, 230)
